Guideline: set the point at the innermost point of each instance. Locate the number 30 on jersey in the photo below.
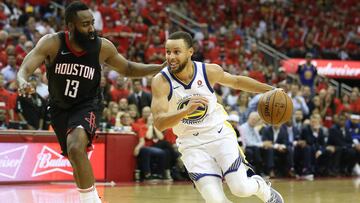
(71, 88)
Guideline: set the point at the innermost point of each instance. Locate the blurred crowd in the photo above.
(327, 29)
(325, 127)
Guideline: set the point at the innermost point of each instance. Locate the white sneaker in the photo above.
(356, 170)
(97, 197)
(266, 193)
(309, 177)
(167, 176)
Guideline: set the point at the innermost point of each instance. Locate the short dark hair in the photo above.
(72, 9)
(182, 35)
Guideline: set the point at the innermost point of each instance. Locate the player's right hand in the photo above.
(26, 90)
(196, 102)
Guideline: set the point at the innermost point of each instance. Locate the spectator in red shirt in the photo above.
(170, 136)
(256, 72)
(232, 41)
(2, 15)
(211, 52)
(20, 47)
(119, 90)
(133, 111)
(355, 102)
(28, 46)
(6, 100)
(3, 46)
(322, 84)
(141, 29)
(10, 51)
(328, 111)
(345, 103)
(140, 125)
(121, 35)
(156, 51)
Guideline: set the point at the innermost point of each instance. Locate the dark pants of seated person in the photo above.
(348, 160)
(147, 156)
(268, 157)
(253, 155)
(284, 161)
(171, 154)
(326, 163)
(304, 160)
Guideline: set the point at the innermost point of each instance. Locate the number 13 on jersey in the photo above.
(71, 88)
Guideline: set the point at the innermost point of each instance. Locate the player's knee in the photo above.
(75, 152)
(239, 188)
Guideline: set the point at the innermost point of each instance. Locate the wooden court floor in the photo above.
(344, 190)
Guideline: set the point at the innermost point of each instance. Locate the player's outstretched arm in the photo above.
(34, 59)
(163, 118)
(124, 66)
(217, 75)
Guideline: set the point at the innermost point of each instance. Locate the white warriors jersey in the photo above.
(202, 120)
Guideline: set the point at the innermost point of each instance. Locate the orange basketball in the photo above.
(275, 107)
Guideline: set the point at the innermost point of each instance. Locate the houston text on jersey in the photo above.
(75, 69)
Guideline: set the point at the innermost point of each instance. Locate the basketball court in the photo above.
(334, 190)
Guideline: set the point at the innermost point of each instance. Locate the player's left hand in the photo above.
(26, 90)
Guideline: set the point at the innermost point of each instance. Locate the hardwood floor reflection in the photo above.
(318, 191)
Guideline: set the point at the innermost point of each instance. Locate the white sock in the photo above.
(89, 195)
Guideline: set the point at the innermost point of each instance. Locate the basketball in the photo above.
(275, 107)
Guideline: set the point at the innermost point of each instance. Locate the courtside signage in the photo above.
(329, 68)
(10, 161)
(43, 162)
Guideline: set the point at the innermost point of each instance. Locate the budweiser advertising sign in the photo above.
(329, 68)
(35, 161)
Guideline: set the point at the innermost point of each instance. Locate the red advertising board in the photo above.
(329, 68)
(43, 162)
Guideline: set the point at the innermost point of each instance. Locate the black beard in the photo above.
(179, 69)
(84, 40)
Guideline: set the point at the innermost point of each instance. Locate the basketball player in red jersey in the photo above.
(73, 61)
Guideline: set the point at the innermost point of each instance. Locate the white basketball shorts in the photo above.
(215, 158)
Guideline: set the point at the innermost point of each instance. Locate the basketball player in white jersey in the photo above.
(184, 99)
